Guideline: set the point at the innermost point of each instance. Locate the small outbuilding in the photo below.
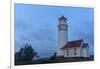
(75, 48)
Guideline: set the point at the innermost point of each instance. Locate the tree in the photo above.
(25, 54)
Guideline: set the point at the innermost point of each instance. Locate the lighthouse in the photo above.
(62, 35)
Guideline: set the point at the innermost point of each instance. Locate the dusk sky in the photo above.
(37, 25)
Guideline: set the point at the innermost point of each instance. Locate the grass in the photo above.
(56, 60)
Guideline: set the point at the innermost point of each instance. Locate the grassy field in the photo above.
(56, 60)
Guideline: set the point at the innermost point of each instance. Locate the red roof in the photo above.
(71, 44)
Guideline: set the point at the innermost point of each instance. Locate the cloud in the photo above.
(21, 24)
(41, 39)
(38, 26)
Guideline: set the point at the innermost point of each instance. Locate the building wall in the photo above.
(81, 52)
(85, 52)
(62, 40)
(72, 52)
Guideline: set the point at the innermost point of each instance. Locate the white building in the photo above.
(76, 48)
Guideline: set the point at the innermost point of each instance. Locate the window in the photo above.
(75, 53)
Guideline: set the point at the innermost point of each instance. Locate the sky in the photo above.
(37, 25)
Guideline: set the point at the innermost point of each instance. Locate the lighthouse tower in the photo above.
(62, 35)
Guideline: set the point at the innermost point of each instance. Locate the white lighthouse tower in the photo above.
(62, 35)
